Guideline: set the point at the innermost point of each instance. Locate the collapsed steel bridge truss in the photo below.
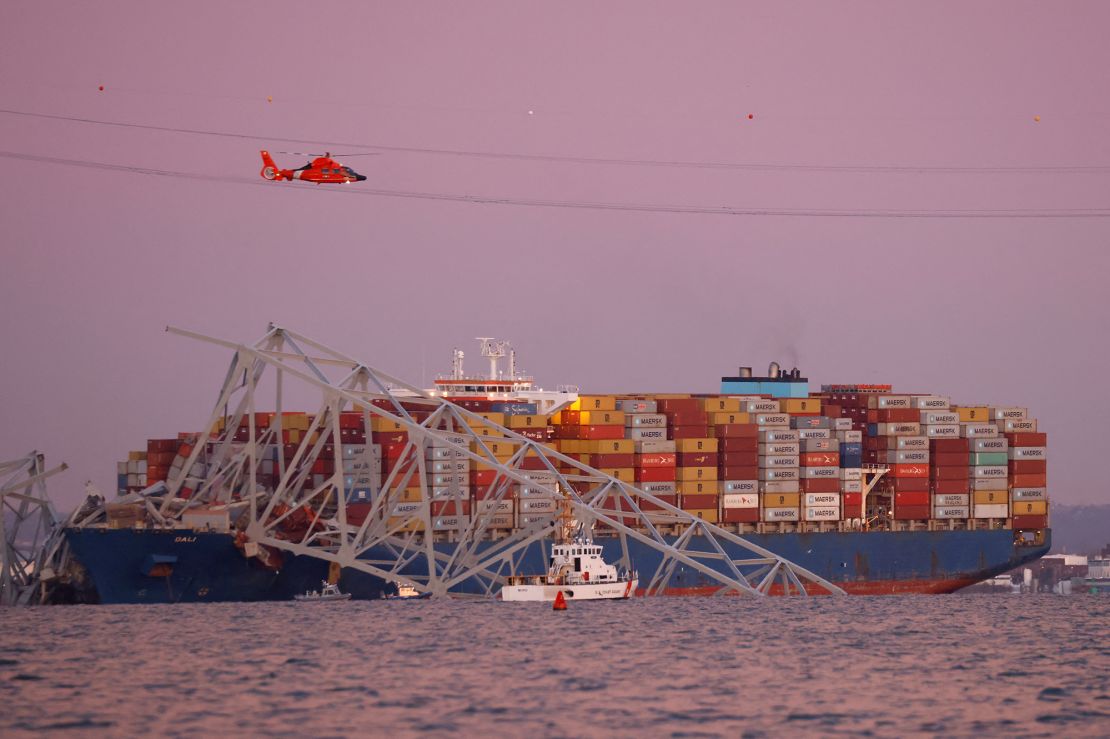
(396, 538)
(30, 531)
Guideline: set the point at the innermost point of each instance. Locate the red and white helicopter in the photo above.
(321, 170)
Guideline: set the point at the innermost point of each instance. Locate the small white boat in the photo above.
(328, 592)
(578, 571)
(406, 591)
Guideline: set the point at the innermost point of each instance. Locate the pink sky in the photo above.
(994, 311)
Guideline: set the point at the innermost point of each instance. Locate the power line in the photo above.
(585, 205)
(752, 166)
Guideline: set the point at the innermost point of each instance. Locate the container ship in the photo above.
(873, 491)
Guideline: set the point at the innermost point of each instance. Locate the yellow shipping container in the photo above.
(721, 405)
(801, 405)
(696, 487)
(696, 473)
(973, 414)
(610, 446)
(1030, 508)
(527, 422)
(989, 497)
(602, 418)
(136, 456)
(706, 514)
(624, 474)
(720, 419)
(499, 449)
(780, 500)
(498, 418)
(695, 445)
(503, 459)
(595, 403)
(294, 436)
(668, 396)
(557, 419)
(413, 525)
(377, 423)
(488, 431)
(412, 494)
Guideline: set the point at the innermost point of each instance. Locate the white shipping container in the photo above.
(990, 470)
(930, 402)
(773, 419)
(434, 453)
(780, 449)
(646, 434)
(355, 466)
(939, 417)
(662, 446)
(449, 492)
(952, 499)
(121, 468)
(991, 510)
(645, 419)
(447, 523)
(529, 520)
(446, 466)
(774, 462)
(820, 445)
(778, 473)
(740, 500)
(907, 442)
(815, 434)
(894, 401)
(1029, 493)
(850, 436)
(537, 505)
(1028, 452)
(988, 483)
(495, 507)
(989, 444)
(851, 473)
(820, 473)
(851, 486)
(408, 509)
(761, 406)
(779, 487)
(907, 456)
(769, 436)
(843, 424)
(975, 430)
(725, 487)
(950, 512)
(780, 514)
(658, 488)
(500, 521)
(1029, 425)
(899, 429)
(822, 513)
(1009, 414)
(942, 430)
(140, 466)
(448, 479)
(364, 480)
(631, 405)
(820, 499)
(539, 478)
(439, 439)
(536, 490)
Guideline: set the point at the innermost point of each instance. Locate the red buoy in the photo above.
(102, 88)
(750, 116)
(560, 603)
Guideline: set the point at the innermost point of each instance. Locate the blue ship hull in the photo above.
(151, 566)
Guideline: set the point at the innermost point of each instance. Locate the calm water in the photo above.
(949, 665)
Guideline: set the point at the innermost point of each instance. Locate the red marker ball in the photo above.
(750, 116)
(102, 88)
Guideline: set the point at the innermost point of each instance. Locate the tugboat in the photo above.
(406, 592)
(328, 592)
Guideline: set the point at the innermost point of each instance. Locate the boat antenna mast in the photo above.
(495, 350)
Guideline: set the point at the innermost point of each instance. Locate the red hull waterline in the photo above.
(870, 587)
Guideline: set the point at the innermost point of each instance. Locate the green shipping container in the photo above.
(987, 458)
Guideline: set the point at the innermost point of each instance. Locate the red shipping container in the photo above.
(654, 474)
(851, 502)
(1029, 481)
(699, 502)
(821, 485)
(945, 446)
(542, 433)
(737, 431)
(1028, 438)
(663, 459)
(600, 432)
(688, 432)
(1028, 466)
(819, 459)
(910, 470)
(350, 420)
(482, 477)
(687, 418)
(911, 512)
(738, 444)
(451, 507)
(738, 459)
(899, 415)
(874, 443)
(534, 463)
(911, 499)
(612, 460)
(666, 405)
(948, 459)
(1030, 522)
(739, 515)
(389, 437)
(323, 467)
(949, 473)
(911, 484)
(951, 487)
(833, 411)
(697, 459)
(646, 505)
(872, 415)
(357, 513)
(747, 472)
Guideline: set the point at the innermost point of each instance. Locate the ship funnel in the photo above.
(773, 370)
(745, 371)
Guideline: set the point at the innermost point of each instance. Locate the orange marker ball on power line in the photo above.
(269, 98)
(1037, 118)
